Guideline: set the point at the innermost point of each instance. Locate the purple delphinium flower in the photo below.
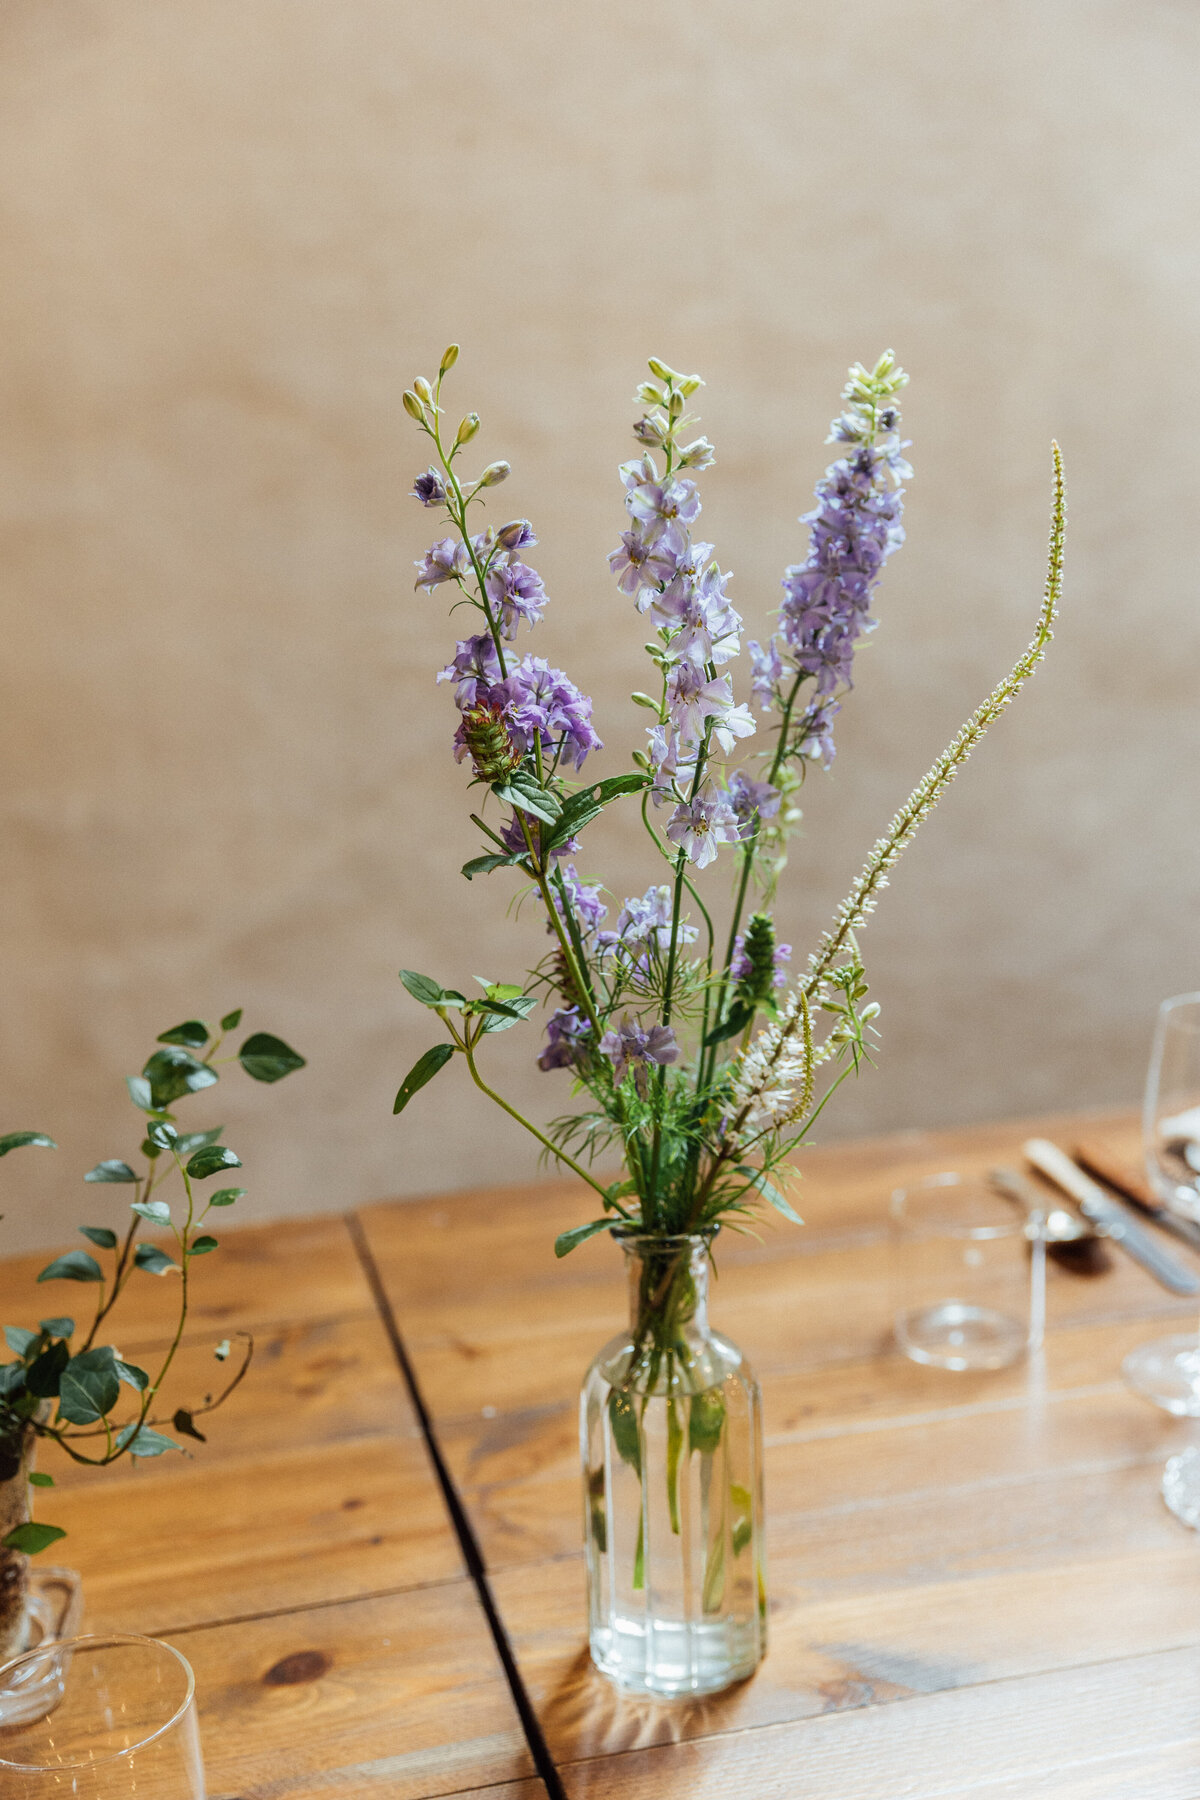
(542, 702)
(629, 1047)
(586, 905)
(751, 801)
(642, 566)
(741, 970)
(566, 1031)
(443, 561)
(644, 927)
(429, 488)
(816, 726)
(657, 505)
(516, 591)
(767, 672)
(475, 665)
(697, 826)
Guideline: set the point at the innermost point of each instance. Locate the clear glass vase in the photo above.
(671, 1440)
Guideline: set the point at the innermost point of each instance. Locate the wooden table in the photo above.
(975, 1586)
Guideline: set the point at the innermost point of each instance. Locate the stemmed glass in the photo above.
(1167, 1370)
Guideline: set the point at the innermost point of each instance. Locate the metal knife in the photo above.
(1112, 1217)
(1095, 1158)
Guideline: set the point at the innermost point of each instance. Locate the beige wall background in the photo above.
(233, 232)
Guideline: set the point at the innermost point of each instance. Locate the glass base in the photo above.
(673, 1659)
(54, 1610)
(1167, 1372)
(1181, 1487)
(953, 1335)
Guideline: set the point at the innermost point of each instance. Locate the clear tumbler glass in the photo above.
(117, 1720)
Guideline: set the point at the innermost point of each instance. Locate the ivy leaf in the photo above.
(30, 1538)
(422, 987)
(227, 1196)
(202, 1245)
(18, 1339)
(162, 1134)
(100, 1235)
(183, 1421)
(131, 1375)
(566, 1241)
(267, 1058)
(38, 1478)
(423, 1070)
(758, 1179)
(173, 1072)
(206, 1162)
(152, 1259)
(89, 1386)
(141, 1441)
(12, 1378)
(16, 1140)
(193, 1034)
(524, 790)
(114, 1170)
(483, 865)
(155, 1212)
(76, 1265)
(139, 1092)
(232, 1020)
(58, 1328)
(196, 1140)
(44, 1372)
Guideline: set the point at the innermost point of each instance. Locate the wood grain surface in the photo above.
(949, 1554)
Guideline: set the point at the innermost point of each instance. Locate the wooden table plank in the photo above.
(1123, 1730)
(400, 1697)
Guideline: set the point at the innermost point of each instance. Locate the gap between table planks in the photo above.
(927, 1532)
(302, 1558)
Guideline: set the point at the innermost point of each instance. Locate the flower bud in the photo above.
(449, 358)
(649, 395)
(494, 474)
(690, 383)
(516, 532)
(663, 370)
(640, 699)
(423, 390)
(468, 428)
(412, 406)
(652, 429)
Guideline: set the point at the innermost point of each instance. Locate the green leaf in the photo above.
(183, 1421)
(623, 1420)
(193, 1034)
(758, 1179)
(155, 1212)
(173, 1072)
(89, 1386)
(152, 1259)
(740, 1015)
(267, 1058)
(423, 1070)
(706, 1421)
(58, 1328)
(674, 1450)
(206, 1162)
(12, 1379)
(115, 1170)
(196, 1140)
(100, 1235)
(202, 1245)
(139, 1092)
(16, 1140)
(502, 1015)
(584, 806)
(141, 1441)
(150, 1150)
(45, 1371)
(18, 1339)
(525, 791)
(227, 1196)
(232, 1020)
(131, 1375)
(566, 1241)
(163, 1134)
(30, 1538)
(38, 1478)
(422, 987)
(76, 1265)
(483, 865)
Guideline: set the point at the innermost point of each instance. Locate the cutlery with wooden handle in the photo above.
(1114, 1219)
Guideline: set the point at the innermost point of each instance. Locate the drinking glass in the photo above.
(117, 1718)
(1166, 1371)
(971, 1274)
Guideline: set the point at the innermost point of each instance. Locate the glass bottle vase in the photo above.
(671, 1440)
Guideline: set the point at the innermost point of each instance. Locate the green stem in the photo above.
(562, 1155)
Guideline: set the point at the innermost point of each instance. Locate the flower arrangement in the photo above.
(64, 1386)
(702, 1068)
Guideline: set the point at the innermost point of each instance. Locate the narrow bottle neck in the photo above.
(668, 1288)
